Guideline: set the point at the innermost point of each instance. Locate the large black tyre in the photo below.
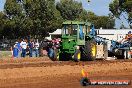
(89, 51)
(64, 56)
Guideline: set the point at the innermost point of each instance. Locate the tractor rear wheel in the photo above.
(89, 50)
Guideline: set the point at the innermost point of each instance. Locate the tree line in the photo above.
(37, 18)
(123, 8)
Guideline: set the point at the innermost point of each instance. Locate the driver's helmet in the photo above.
(129, 32)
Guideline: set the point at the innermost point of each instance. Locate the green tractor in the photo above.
(77, 42)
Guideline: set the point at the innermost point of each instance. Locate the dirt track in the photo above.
(43, 73)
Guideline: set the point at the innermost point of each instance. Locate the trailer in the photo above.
(121, 50)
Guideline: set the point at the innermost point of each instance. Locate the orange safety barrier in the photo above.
(84, 74)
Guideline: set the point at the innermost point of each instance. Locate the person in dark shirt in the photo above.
(30, 46)
(50, 50)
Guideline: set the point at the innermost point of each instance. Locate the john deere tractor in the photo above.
(77, 41)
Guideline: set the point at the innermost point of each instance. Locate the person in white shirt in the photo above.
(36, 47)
(23, 44)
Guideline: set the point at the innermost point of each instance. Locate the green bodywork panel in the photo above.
(68, 44)
(69, 41)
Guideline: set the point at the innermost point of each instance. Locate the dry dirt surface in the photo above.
(44, 73)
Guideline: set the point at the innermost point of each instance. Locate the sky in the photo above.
(2, 4)
(99, 7)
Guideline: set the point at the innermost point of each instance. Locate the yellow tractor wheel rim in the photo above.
(94, 50)
(58, 56)
(79, 56)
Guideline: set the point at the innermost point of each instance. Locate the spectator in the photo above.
(30, 46)
(128, 37)
(15, 50)
(44, 51)
(11, 51)
(24, 47)
(43, 48)
(50, 50)
(36, 47)
(19, 49)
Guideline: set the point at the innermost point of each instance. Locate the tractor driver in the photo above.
(128, 37)
(81, 32)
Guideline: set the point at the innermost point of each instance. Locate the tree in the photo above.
(69, 9)
(105, 22)
(122, 26)
(34, 18)
(16, 18)
(45, 16)
(73, 10)
(2, 20)
(118, 7)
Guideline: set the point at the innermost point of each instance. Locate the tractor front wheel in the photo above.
(77, 55)
(64, 56)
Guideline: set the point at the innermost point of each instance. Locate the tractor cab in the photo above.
(75, 30)
(73, 40)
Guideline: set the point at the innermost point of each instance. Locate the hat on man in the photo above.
(129, 32)
(16, 42)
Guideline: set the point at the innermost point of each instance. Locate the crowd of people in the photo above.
(24, 47)
(33, 48)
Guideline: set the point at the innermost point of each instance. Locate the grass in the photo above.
(5, 54)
